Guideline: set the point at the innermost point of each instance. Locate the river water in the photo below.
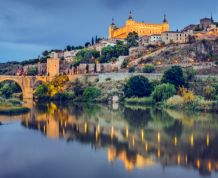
(95, 141)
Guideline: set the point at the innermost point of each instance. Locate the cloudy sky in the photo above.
(28, 27)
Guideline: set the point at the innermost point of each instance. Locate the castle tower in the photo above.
(130, 15)
(166, 25)
(53, 66)
(111, 29)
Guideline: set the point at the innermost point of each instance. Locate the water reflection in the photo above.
(138, 138)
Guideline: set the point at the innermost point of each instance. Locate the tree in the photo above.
(91, 93)
(42, 92)
(137, 86)
(163, 92)
(132, 39)
(69, 48)
(87, 44)
(174, 76)
(45, 53)
(93, 41)
(32, 71)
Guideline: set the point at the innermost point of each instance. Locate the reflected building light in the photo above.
(133, 141)
(146, 147)
(38, 125)
(158, 137)
(175, 141)
(209, 166)
(98, 128)
(158, 153)
(142, 135)
(63, 132)
(27, 123)
(85, 127)
(127, 132)
(198, 163)
(208, 140)
(112, 132)
(192, 140)
(178, 159)
(186, 159)
(96, 134)
(44, 129)
(65, 124)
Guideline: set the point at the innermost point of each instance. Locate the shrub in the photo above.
(137, 86)
(42, 91)
(32, 71)
(190, 74)
(131, 70)
(187, 95)
(148, 68)
(139, 101)
(175, 101)
(163, 92)
(91, 93)
(174, 76)
(64, 96)
(108, 79)
(209, 92)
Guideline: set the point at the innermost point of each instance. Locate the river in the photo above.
(95, 141)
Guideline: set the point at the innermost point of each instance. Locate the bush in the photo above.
(174, 76)
(187, 95)
(163, 92)
(108, 79)
(137, 86)
(32, 71)
(190, 74)
(131, 70)
(42, 92)
(175, 101)
(64, 96)
(148, 68)
(209, 92)
(139, 101)
(91, 93)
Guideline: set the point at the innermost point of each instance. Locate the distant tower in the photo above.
(53, 66)
(212, 18)
(166, 26)
(111, 29)
(130, 15)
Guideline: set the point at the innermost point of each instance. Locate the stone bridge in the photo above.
(27, 83)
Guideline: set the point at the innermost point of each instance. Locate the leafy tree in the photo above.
(132, 39)
(87, 44)
(42, 92)
(137, 86)
(174, 76)
(32, 71)
(78, 88)
(163, 92)
(86, 56)
(45, 53)
(69, 48)
(91, 93)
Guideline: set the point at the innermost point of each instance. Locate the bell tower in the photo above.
(112, 27)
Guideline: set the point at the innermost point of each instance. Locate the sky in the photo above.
(28, 27)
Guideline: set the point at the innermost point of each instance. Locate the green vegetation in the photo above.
(163, 92)
(137, 86)
(139, 101)
(148, 68)
(91, 94)
(174, 76)
(32, 71)
(7, 89)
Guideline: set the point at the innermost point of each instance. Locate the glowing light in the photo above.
(198, 163)
(158, 153)
(65, 124)
(38, 126)
(112, 132)
(178, 159)
(44, 129)
(142, 134)
(63, 132)
(133, 141)
(209, 166)
(175, 141)
(85, 127)
(127, 133)
(186, 159)
(192, 140)
(208, 140)
(158, 137)
(146, 147)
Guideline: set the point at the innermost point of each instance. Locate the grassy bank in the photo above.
(145, 101)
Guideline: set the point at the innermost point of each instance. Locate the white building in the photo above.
(154, 39)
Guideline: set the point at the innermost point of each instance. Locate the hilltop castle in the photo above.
(140, 27)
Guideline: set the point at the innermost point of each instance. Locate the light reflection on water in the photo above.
(124, 142)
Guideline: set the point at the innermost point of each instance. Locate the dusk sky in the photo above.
(30, 26)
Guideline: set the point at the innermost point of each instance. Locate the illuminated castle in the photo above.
(140, 27)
